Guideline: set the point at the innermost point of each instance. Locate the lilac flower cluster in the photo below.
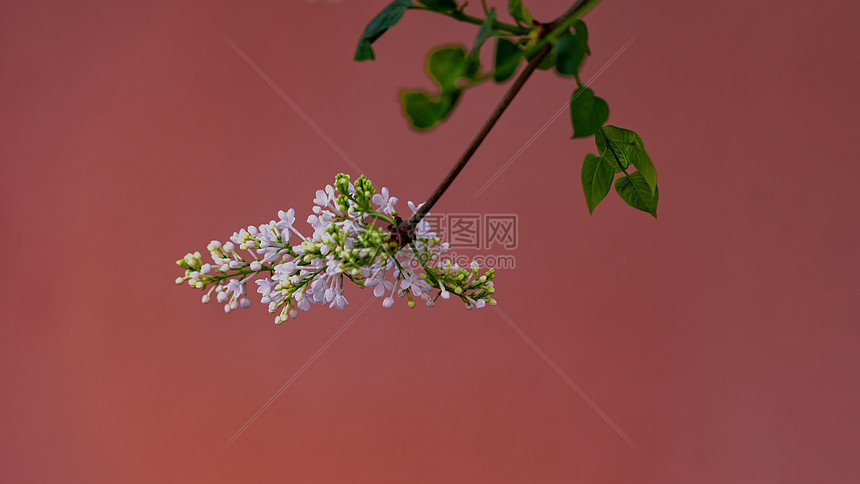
(351, 241)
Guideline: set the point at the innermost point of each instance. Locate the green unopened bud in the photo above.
(341, 183)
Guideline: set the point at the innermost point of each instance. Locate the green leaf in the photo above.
(421, 110)
(570, 52)
(634, 190)
(424, 112)
(519, 13)
(440, 5)
(507, 59)
(387, 18)
(364, 51)
(446, 65)
(602, 148)
(587, 113)
(473, 60)
(626, 147)
(484, 32)
(597, 178)
(581, 32)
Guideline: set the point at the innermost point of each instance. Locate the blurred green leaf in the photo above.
(446, 65)
(626, 147)
(483, 34)
(387, 18)
(424, 112)
(581, 32)
(519, 13)
(596, 180)
(570, 52)
(587, 113)
(421, 110)
(634, 190)
(507, 54)
(364, 51)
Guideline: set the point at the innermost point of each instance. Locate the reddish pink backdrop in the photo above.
(722, 339)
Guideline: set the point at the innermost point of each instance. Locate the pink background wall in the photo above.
(721, 339)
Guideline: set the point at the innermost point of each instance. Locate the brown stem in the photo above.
(406, 228)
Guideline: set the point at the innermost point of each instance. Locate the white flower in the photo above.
(236, 287)
(286, 219)
(339, 301)
(414, 283)
(380, 289)
(324, 197)
(413, 207)
(384, 202)
(265, 287)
